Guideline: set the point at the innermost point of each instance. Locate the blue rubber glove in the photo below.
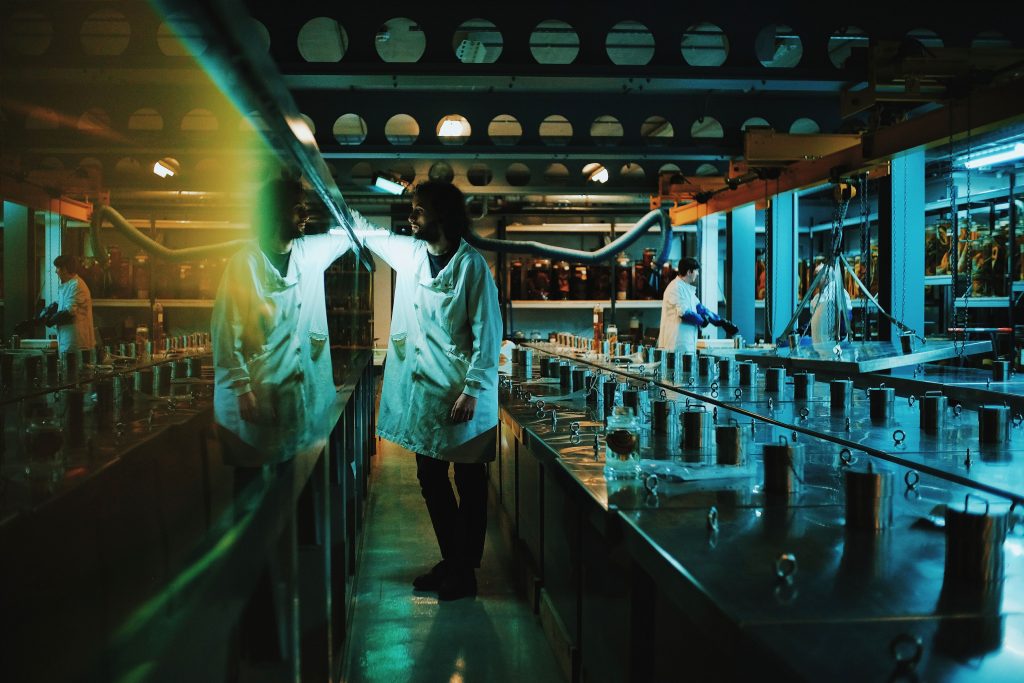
(710, 315)
(694, 318)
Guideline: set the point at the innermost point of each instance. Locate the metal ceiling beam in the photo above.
(983, 111)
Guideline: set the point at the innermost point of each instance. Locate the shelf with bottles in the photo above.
(542, 281)
(584, 304)
(146, 303)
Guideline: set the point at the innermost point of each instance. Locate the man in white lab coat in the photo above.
(440, 394)
(682, 313)
(71, 313)
(273, 381)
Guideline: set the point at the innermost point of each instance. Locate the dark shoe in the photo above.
(457, 584)
(431, 581)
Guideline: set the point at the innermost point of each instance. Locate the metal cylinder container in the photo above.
(591, 388)
(75, 415)
(729, 445)
(696, 425)
(670, 360)
(88, 356)
(103, 410)
(123, 390)
(840, 392)
(631, 399)
(725, 370)
(880, 402)
(162, 379)
(774, 379)
(1001, 370)
(52, 364)
(974, 544)
(783, 467)
(515, 359)
(179, 369)
(576, 376)
(993, 424)
(659, 416)
(608, 393)
(32, 368)
(868, 499)
(933, 412)
(144, 381)
(565, 377)
(803, 385)
(526, 363)
(748, 373)
(689, 361)
(704, 366)
(71, 365)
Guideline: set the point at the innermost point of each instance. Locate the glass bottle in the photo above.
(141, 275)
(623, 277)
(622, 445)
(578, 282)
(560, 280)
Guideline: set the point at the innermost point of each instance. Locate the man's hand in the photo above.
(247, 408)
(729, 327)
(462, 411)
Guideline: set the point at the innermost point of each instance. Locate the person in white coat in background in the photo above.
(440, 391)
(71, 313)
(682, 313)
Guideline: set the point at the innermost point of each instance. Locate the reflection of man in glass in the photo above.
(272, 373)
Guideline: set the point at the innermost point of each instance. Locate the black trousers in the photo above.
(460, 525)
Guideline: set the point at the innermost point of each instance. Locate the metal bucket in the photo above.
(933, 412)
(179, 369)
(725, 369)
(1001, 370)
(659, 416)
(670, 360)
(729, 445)
(993, 424)
(868, 499)
(840, 393)
(908, 343)
(696, 426)
(783, 466)
(526, 364)
(704, 366)
(803, 385)
(974, 544)
(689, 361)
(144, 381)
(748, 373)
(880, 401)
(774, 379)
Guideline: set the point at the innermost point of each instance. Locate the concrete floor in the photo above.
(398, 635)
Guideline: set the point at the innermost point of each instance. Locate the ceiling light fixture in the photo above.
(165, 168)
(451, 128)
(599, 175)
(991, 159)
(389, 185)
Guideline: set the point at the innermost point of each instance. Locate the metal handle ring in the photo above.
(713, 519)
(906, 649)
(771, 403)
(662, 394)
(714, 386)
(957, 410)
(574, 427)
(846, 457)
(738, 394)
(804, 412)
(911, 400)
(783, 440)
(539, 405)
(691, 382)
(912, 478)
(1018, 419)
(785, 566)
(899, 436)
(575, 439)
(640, 369)
(967, 500)
(714, 393)
(651, 484)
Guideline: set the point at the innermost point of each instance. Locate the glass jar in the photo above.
(578, 283)
(560, 280)
(623, 277)
(599, 282)
(622, 445)
(515, 279)
(140, 278)
(538, 280)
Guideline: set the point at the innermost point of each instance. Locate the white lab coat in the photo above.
(445, 339)
(270, 336)
(74, 296)
(676, 335)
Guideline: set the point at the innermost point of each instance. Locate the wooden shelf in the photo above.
(585, 304)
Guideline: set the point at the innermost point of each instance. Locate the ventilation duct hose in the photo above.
(148, 244)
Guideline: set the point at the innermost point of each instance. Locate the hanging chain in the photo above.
(865, 251)
(961, 317)
(903, 284)
(769, 253)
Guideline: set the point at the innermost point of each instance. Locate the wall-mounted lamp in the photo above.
(598, 175)
(166, 167)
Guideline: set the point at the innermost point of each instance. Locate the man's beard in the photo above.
(430, 232)
(293, 232)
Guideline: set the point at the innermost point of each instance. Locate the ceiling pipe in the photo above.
(148, 244)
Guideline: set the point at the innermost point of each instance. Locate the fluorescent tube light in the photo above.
(163, 170)
(388, 185)
(1012, 154)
